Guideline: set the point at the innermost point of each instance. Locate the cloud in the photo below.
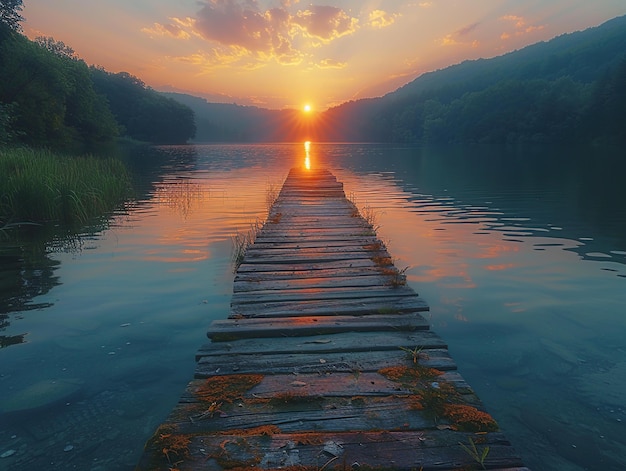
(331, 64)
(519, 21)
(239, 30)
(232, 23)
(176, 29)
(425, 4)
(325, 22)
(215, 58)
(380, 19)
(458, 37)
(521, 26)
(467, 30)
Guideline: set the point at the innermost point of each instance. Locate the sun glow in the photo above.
(306, 108)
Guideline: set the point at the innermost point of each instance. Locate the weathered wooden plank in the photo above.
(348, 250)
(333, 343)
(268, 243)
(345, 385)
(348, 272)
(325, 294)
(316, 387)
(336, 281)
(288, 226)
(331, 307)
(320, 233)
(300, 254)
(426, 450)
(302, 414)
(310, 363)
(295, 213)
(312, 325)
(306, 266)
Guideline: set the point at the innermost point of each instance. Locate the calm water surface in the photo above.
(521, 256)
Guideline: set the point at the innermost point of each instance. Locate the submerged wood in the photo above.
(325, 361)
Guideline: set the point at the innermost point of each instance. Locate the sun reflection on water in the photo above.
(307, 155)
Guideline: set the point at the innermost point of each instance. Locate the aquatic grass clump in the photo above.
(241, 242)
(39, 186)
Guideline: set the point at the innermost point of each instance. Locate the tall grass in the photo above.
(38, 186)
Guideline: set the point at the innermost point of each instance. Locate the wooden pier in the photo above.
(325, 362)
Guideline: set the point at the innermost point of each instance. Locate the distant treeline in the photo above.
(572, 88)
(51, 98)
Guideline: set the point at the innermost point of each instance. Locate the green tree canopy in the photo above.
(143, 113)
(49, 99)
(10, 14)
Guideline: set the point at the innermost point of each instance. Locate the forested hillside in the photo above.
(572, 88)
(224, 122)
(50, 98)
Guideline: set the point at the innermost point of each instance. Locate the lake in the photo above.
(521, 255)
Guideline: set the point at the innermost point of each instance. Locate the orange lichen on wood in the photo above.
(263, 430)
(170, 443)
(226, 388)
(409, 375)
(307, 439)
(375, 247)
(469, 419)
(382, 261)
(393, 271)
(275, 219)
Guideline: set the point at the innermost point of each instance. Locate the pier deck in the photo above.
(325, 361)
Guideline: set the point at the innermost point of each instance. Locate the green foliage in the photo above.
(7, 133)
(572, 88)
(51, 97)
(10, 14)
(143, 113)
(39, 186)
(472, 450)
(58, 48)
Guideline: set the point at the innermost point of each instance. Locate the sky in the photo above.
(289, 53)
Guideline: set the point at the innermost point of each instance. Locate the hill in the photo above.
(571, 87)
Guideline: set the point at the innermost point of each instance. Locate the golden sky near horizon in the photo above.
(288, 53)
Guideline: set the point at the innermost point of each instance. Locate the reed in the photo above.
(241, 242)
(39, 186)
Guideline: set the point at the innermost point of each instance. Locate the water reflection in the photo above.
(307, 156)
(512, 256)
(524, 289)
(25, 273)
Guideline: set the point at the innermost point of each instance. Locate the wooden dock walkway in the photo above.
(325, 361)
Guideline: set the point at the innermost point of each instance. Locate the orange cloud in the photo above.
(240, 34)
(176, 29)
(233, 24)
(457, 38)
(331, 64)
(519, 21)
(325, 22)
(380, 19)
(521, 25)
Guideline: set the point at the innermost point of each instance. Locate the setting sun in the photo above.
(306, 108)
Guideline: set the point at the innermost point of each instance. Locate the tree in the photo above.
(58, 48)
(143, 113)
(9, 14)
(48, 99)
